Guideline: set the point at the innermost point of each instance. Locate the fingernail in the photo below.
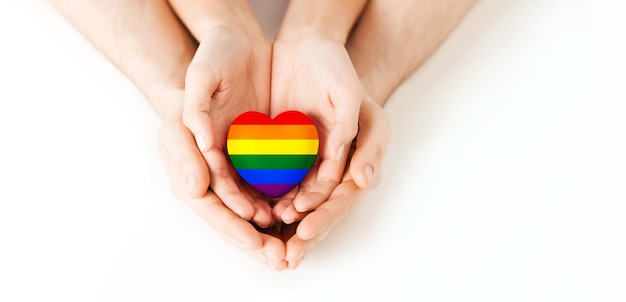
(191, 183)
(339, 152)
(200, 141)
(300, 208)
(310, 237)
(369, 174)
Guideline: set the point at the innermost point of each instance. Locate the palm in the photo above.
(241, 67)
(228, 76)
(368, 149)
(317, 78)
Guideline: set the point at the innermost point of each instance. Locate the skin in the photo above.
(312, 73)
(189, 59)
(146, 41)
(392, 38)
(228, 75)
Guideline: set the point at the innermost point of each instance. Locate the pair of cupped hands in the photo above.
(234, 71)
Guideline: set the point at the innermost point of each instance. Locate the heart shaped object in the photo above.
(273, 156)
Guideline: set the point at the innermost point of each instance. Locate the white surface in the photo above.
(504, 178)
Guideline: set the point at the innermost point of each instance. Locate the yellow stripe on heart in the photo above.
(272, 146)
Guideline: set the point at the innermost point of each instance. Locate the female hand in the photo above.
(314, 75)
(228, 75)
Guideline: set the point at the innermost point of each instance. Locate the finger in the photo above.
(371, 143)
(262, 214)
(288, 213)
(226, 223)
(275, 248)
(323, 219)
(200, 84)
(309, 194)
(189, 175)
(284, 202)
(225, 186)
(284, 209)
(346, 101)
(291, 215)
(318, 224)
(296, 248)
(262, 208)
(239, 232)
(318, 184)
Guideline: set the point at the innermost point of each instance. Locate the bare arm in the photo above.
(329, 18)
(228, 75)
(312, 73)
(146, 41)
(201, 17)
(394, 37)
(143, 38)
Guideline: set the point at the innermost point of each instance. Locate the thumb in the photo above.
(200, 84)
(366, 162)
(189, 174)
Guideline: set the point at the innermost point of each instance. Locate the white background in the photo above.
(504, 179)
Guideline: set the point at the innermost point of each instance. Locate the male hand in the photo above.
(181, 158)
(368, 150)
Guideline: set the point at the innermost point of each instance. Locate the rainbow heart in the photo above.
(273, 156)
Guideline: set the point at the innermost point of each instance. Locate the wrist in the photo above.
(375, 89)
(329, 19)
(165, 97)
(203, 17)
(232, 24)
(372, 99)
(311, 32)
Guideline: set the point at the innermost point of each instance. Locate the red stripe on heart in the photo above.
(285, 118)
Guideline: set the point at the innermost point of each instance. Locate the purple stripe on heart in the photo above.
(274, 190)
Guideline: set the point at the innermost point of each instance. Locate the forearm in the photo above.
(202, 16)
(394, 37)
(143, 38)
(328, 18)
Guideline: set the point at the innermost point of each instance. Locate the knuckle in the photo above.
(305, 187)
(327, 182)
(220, 172)
(352, 130)
(378, 153)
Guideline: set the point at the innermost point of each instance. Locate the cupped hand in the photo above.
(229, 75)
(314, 75)
(367, 151)
(181, 158)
